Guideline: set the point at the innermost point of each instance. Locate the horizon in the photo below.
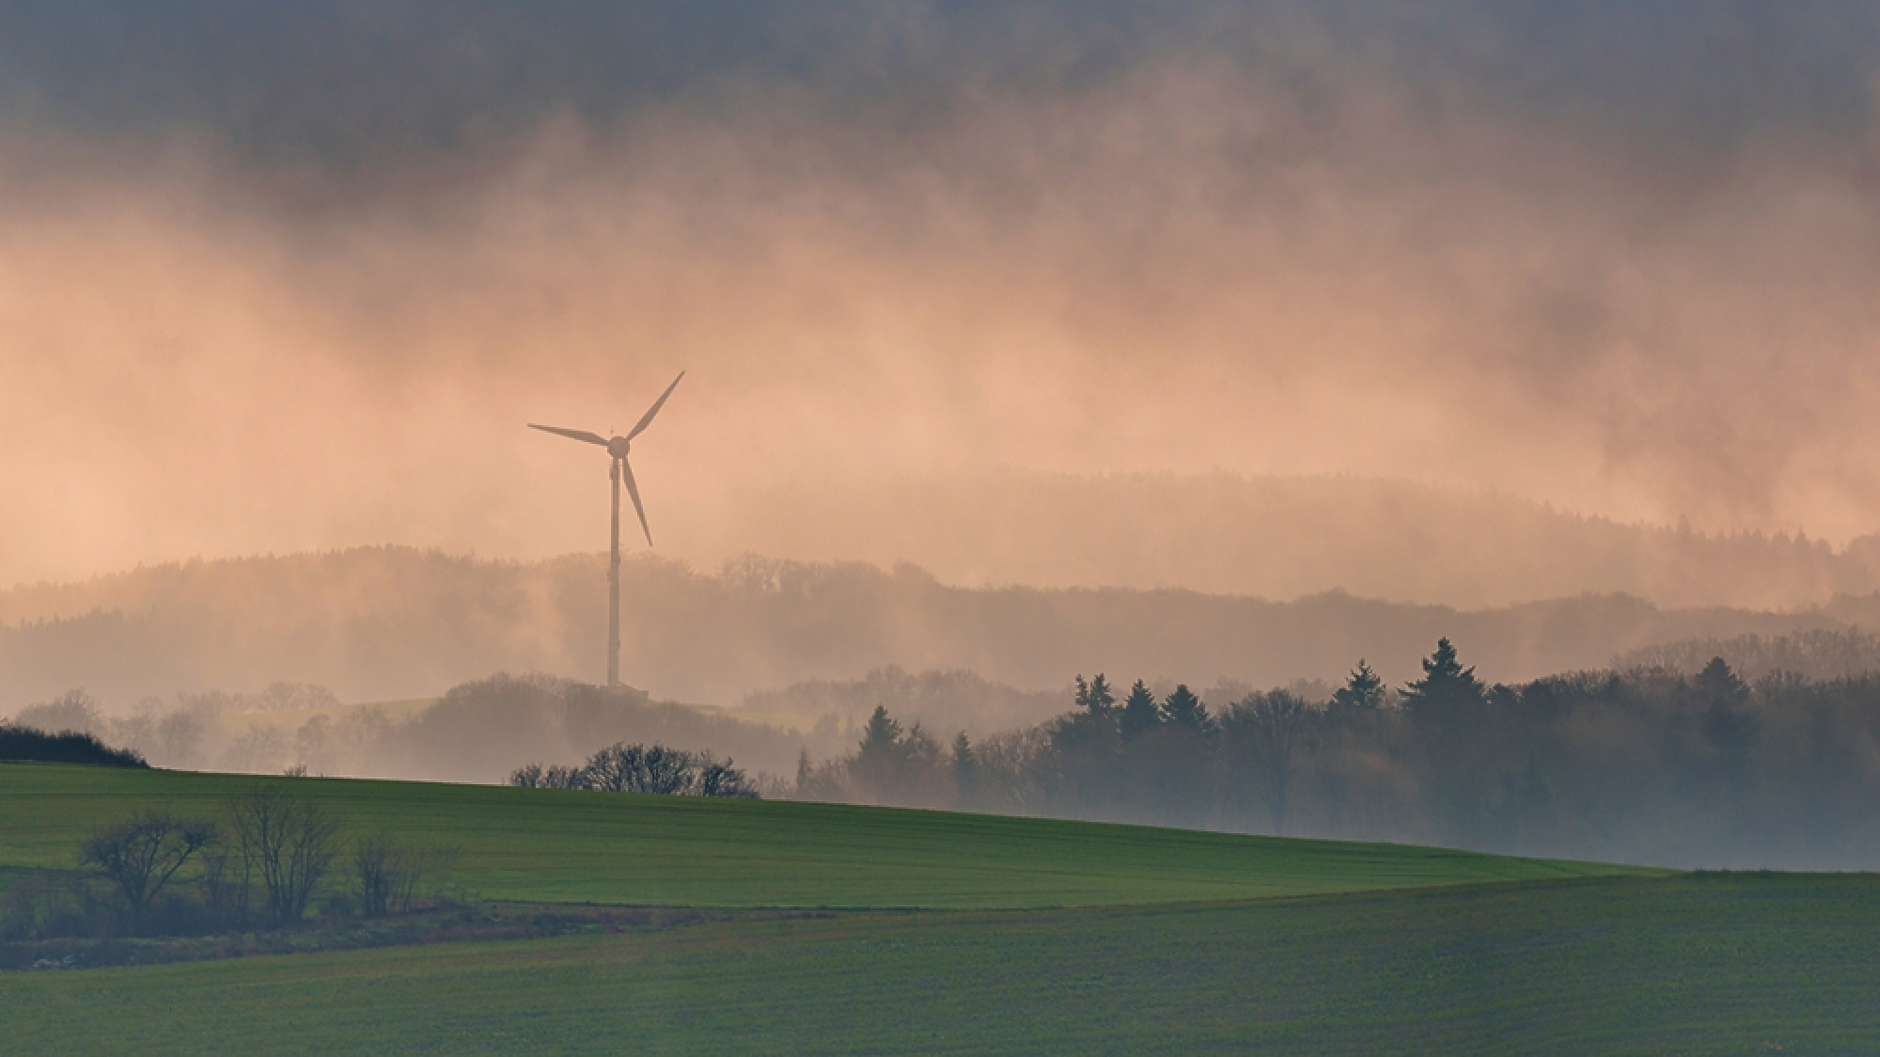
(1309, 525)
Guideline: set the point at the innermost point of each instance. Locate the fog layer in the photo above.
(278, 279)
(390, 623)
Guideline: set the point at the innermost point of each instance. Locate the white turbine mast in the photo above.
(620, 469)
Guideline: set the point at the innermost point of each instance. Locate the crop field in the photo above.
(964, 934)
(563, 846)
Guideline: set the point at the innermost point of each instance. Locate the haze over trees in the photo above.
(1726, 760)
(1648, 765)
(1285, 537)
(382, 624)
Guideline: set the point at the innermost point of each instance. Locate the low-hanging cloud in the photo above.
(306, 298)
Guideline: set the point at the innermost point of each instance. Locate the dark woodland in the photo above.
(1646, 765)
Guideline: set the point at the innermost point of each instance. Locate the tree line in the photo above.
(1648, 764)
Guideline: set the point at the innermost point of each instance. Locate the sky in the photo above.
(284, 277)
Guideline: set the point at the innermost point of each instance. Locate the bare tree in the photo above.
(142, 855)
(287, 841)
(227, 883)
(627, 768)
(640, 769)
(389, 873)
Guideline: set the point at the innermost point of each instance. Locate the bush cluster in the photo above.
(30, 745)
(627, 768)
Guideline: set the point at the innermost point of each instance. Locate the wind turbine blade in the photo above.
(626, 471)
(577, 434)
(654, 410)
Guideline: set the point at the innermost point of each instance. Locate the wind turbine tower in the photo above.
(621, 470)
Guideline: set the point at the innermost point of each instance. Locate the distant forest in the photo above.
(1285, 537)
(1648, 765)
(376, 624)
(1765, 753)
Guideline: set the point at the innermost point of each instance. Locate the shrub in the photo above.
(657, 769)
(389, 874)
(26, 744)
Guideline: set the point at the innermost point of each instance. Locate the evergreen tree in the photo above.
(1363, 690)
(881, 737)
(1095, 697)
(1088, 737)
(805, 772)
(1446, 690)
(965, 769)
(1728, 724)
(1140, 714)
(1717, 684)
(1185, 711)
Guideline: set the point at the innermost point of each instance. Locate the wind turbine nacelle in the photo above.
(617, 447)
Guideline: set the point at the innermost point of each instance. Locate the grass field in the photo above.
(560, 846)
(1035, 937)
(1739, 964)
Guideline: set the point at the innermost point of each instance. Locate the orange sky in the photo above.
(1187, 264)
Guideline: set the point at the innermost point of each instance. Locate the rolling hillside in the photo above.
(555, 846)
(935, 933)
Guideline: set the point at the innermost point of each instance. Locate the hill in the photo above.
(1277, 537)
(396, 623)
(557, 846)
(1037, 937)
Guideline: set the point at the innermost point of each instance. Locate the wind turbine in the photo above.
(617, 448)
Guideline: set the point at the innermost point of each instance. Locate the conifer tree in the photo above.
(1446, 690)
(881, 736)
(1363, 690)
(965, 769)
(1184, 710)
(1140, 714)
(1095, 697)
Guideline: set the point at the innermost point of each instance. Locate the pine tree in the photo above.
(1730, 726)
(1363, 690)
(881, 736)
(1140, 714)
(1717, 683)
(1094, 722)
(1095, 697)
(1183, 709)
(965, 769)
(1446, 690)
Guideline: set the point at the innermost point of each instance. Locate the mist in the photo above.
(388, 624)
(1216, 345)
(283, 281)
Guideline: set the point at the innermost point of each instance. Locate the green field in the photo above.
(558, 846)
(1031, 936)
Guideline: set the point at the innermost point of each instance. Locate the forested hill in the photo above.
(381, 623)
(1277, 537)
(1280, 537)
